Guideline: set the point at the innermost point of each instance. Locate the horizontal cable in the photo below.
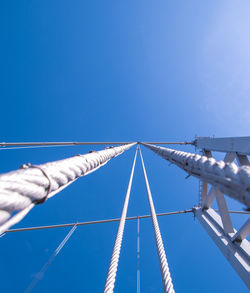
(237, 212)
(32, 147)
(62, 143)
(169, 142)
(95, 222)
(110, 220)
(67, 143)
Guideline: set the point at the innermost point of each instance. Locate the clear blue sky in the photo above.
(120, 70)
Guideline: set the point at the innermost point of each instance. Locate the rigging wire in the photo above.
(107, 221)
(68, 143)
(61, 143)
(138, 257)
(40, 275)
(32, 147)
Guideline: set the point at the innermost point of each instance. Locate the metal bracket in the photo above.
(233, 244)
(237, 253)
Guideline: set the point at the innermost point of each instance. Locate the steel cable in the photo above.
(165, 273)
(227, 177)
(22, 189)
(111, 275)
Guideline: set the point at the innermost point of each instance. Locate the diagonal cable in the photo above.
(230, 179)
(40, 275)
(165, 273)
(22, 189)
(111, 275)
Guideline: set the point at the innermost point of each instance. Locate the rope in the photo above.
(111, 275)
(40, 275)
(165, 273)
(21, 190)
(227, 177)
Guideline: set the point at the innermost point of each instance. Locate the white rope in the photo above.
(22, 189)
(40, 275)
(165, 273)
(110, 279)
(227, 177)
